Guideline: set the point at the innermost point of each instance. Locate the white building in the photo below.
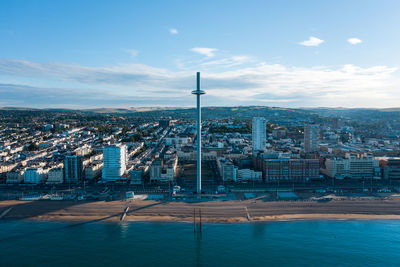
(353, 166)
(311, 138)
(114, 162)
(259, 133)
(181, 140)
(245, 175)
(34, 175)
(362, 166)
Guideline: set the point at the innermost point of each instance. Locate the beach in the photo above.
(211, 211)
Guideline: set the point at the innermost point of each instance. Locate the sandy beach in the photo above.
(212, 211)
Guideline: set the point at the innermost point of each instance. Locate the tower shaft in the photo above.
(198, 94)
(198, 136)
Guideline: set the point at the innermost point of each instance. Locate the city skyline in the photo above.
(311, 54)
(114, 151)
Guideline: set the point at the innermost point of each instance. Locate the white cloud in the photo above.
(258, 83)
(312, 41)
(354, 41)
(226, 63)
(208, 52)
(173, 31)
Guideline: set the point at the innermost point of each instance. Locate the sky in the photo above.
(94, 53)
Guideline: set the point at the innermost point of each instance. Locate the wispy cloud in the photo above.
(312, 41)
(256, 83)
(208, 52)
(131, 52)
(354, 41)
(16, 95)
(228, 62)
(173, 31)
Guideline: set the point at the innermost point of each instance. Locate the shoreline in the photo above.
(233, 220)
(212, 212)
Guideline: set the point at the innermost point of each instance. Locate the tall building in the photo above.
(259, 133)
(115, 159)
(156, 170)
(73, 169)
(311, 138)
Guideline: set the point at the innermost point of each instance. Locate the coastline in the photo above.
(212, 211)
(172, 219)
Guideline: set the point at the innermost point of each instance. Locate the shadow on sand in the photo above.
(52, 206)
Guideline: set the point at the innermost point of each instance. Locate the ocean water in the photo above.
(296, 243)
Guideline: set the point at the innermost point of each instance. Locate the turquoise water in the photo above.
(298, 243)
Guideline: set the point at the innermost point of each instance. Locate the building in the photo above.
(279, 133)
(338, 168)
(311, 138)
(181, 139)
(161, 171)
(182, 155)
(259, 133)
(227, 170)
(248, 175)
(355, 166)
(164, 123)
(335, 123)
(15, 177)
(55, 176)
(156, 170)
(362, 165)
(83, 150)
(73, 169)
(47, 127)
(34, 175)
(276, 167)
(295, 170)
(137, 175)
(391, 169)
(93, 170)
(114, 162)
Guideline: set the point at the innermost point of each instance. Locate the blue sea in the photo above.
(296, 243)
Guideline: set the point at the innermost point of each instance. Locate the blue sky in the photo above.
(83, 54)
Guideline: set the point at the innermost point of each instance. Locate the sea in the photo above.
(290, 243)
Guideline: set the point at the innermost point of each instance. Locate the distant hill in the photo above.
(239, 112)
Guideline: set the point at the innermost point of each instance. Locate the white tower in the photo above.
(259, 133)
(198, 93)
(114, 158)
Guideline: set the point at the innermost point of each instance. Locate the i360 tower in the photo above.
(198, 93)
